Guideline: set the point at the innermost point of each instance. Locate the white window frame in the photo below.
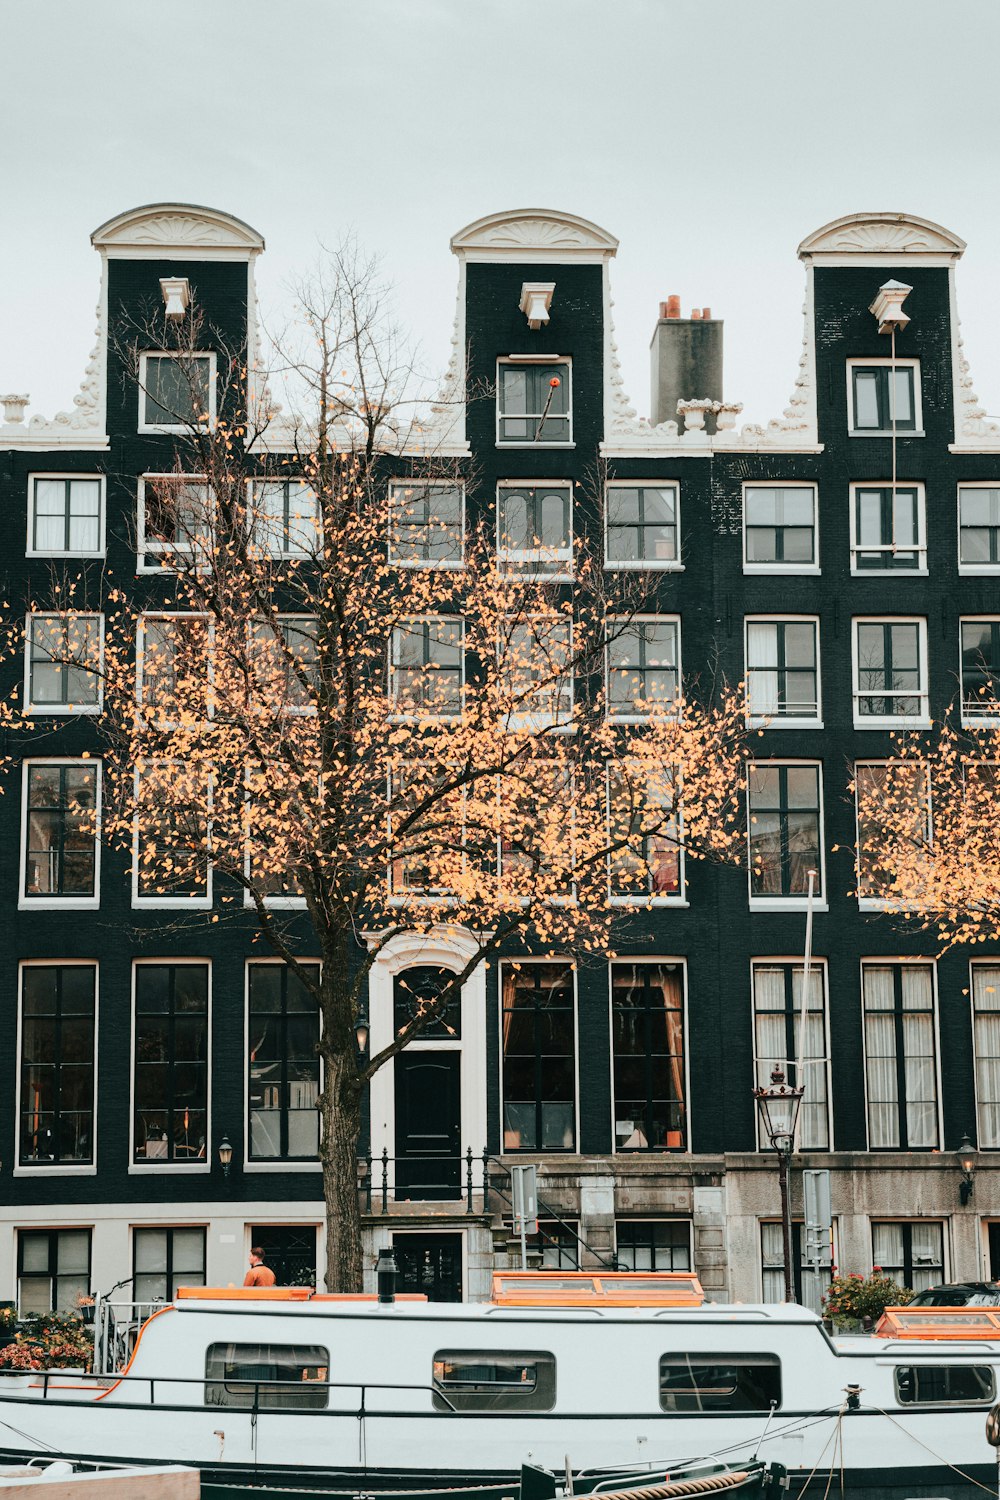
(176, 903)
(401, 896)
(764, 961)
(892, 721)
(783, 721)
(140, 654)
(974, 964)
(153, 549)
(525, 1153)
(789, 903)
(395, 713)
(64, 1169)
(562, 720)
(279, 903)
(974, 721)
(47, 902)
(287, 617)
(640, 901)
(537, 359)
(50, 710)
(524, 564)
(643, 565)
(921, 546)
(974, 569)
(187, 354)
(782, 568)
(30, 549)
(942, 1222)
(917, 430)
(151, 1168)
(798, 1222)
(276, 1163)
(285, 554)
(879, 903)
(618, 717)
(455, 565)
(668, 1218)
(666, 1156)
(890, 961)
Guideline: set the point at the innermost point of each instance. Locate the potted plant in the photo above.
(85, 1302)
(854, 1303)
(49, 1342)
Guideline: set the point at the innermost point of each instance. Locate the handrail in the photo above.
(612, 1264)
(246, 1384)
(456, 1189)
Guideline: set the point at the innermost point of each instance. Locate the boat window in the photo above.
(276, 1375)
(934, 1385)
(484, 1380)
(719, 1382)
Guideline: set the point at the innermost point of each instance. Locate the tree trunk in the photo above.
(341, 1114)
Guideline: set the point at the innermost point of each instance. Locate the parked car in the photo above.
(960, 1294)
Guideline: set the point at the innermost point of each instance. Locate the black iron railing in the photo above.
(461, 1178)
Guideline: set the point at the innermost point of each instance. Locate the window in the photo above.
(887, 533)
(65, 514)
(176, 392)
(173, 667)
(539, 1057)
(779, 528)
(643, 529)
(559, 1245)
(647, 1023)
(653, 1244)
(533, 403)
(426, 524)
(978, 528)
(284, 653)
(165, 1259)
(644, 675)
(944, 1385)
(981, 669)
(785, 830)
(426, 667)
(53, 1270)
(58, 1013)
(535, 530)
(537, 670)
(646, 857)
(170, 852)
(170, 1086)
(890, 672)
(772, 1259)
(777, 1012)
(175, 519)
(483, 1380)
(783, 670)
(882, 787)
(270, 1376)
(885, 396)
(282, 1063)
(911, 1253)
(985, 982)
(61, 818)
(285, 518)
(720, 1382)
(63, 663)
(427, 830)
(900, 1057)
(414, 992)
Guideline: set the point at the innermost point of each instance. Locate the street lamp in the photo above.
(225, 1155)
(967, 1160)
(778, 1107)
(361, 1030)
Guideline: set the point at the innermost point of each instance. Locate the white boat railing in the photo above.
(116, 1328)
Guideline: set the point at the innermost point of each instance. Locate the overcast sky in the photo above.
(709, 138)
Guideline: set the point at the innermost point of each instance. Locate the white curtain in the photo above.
(762, 667)
(986, 1033)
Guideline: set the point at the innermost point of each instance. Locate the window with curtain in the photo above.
(642, 526)
(426, 523)
(539, 1057)
(900, 1056)
(777, 1004)
(165, 1259)
(986, 1041)
(58, 1012)
(979, 527)
(53, 1270)
(783, 669)
(784, 842)
(912, 1253)
(282, 1064)
(60, 857)
(647, 1019)
(643, 666)
(65, 515)
(64, 660)
(171, 1062)
(772, 1259)
(981, 669)
(888, 533)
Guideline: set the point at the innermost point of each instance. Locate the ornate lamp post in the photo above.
(778, 1107)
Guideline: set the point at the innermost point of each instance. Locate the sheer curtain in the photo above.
(918, 1048)
(986, 1031)
(762, 674)
(880, 1052)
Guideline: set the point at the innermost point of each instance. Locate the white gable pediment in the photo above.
(177, 231)
(534, 234)
(876, 235)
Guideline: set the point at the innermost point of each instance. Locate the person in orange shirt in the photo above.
(259, 1274)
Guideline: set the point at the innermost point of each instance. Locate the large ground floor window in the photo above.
(53, 1269)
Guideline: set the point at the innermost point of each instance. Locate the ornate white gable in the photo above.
(534, 234)
(174, 231)
(882, 234)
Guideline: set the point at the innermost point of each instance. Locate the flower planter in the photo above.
(16, 1380)
(849, 1328)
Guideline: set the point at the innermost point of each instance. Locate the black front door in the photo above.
(994, 1233)
(430, 1263)
(428, 1124)
(289, 1250)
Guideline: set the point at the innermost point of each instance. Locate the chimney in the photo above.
(686, 362)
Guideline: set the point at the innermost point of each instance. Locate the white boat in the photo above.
(352, 1396)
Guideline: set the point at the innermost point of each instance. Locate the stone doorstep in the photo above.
(438, 1214)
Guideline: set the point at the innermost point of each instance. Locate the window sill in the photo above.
(873, 723)
(920, 572)
(979, 570)
(781, 570)
(777, 722)
(280, 1165)
(63, 710)
(981, 721)
(58, 903)
(785, 903)
(29, 552)
(643, 567)
(415, 564)
(887, 432)
(168, 903)
(534, 447)
(187, 1168)
(642, 903)
(193, 428)
(64, 1169)
(276, 903)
